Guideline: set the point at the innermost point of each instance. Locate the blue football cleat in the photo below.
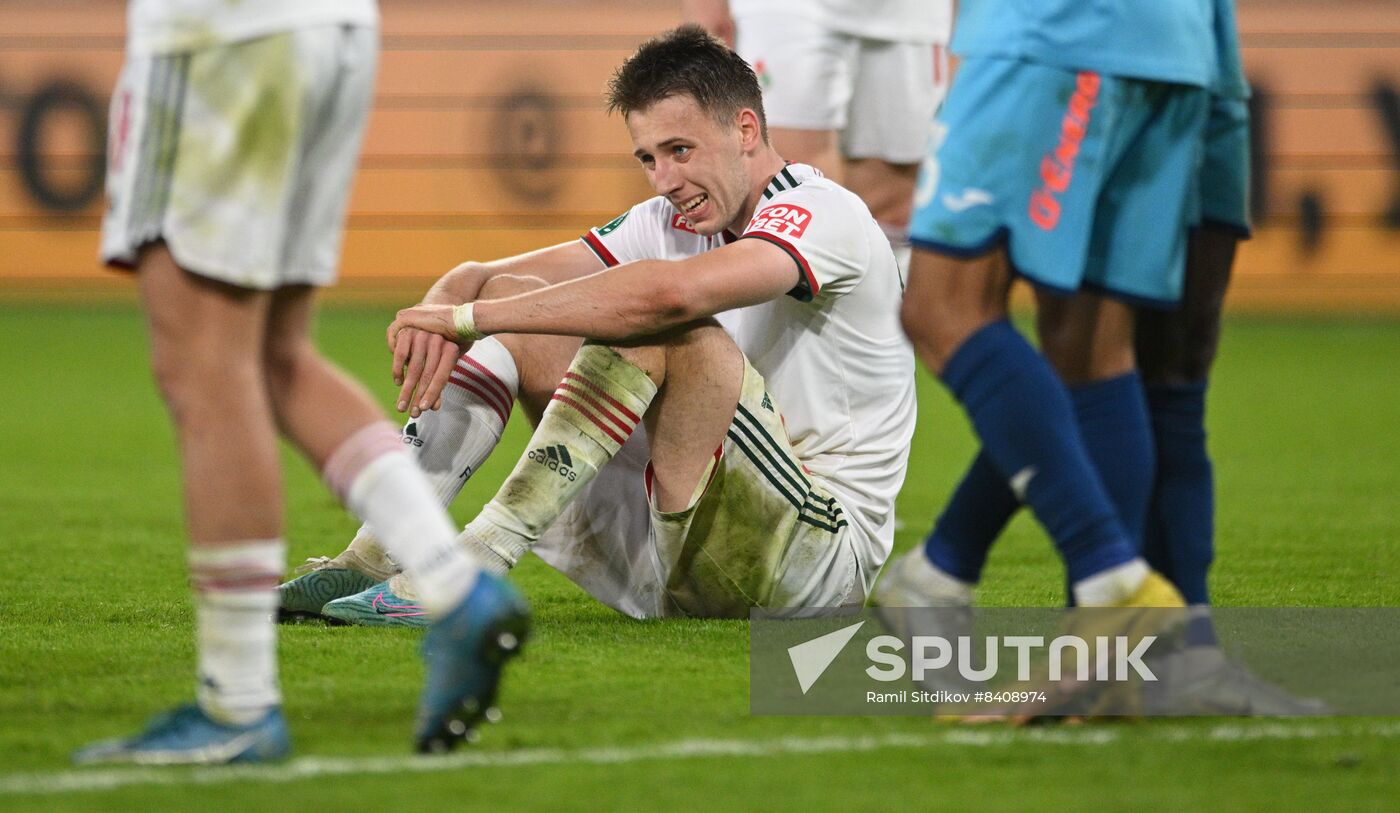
(465, 652)
(188, 736)
(390, 603)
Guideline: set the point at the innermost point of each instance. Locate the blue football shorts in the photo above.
(1224, 176)
(1090, 181)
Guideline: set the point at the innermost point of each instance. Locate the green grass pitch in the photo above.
(606, 713)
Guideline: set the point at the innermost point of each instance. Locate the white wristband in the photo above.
(464, 322)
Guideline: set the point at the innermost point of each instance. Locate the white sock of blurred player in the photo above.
(235, 598)
(380, 483)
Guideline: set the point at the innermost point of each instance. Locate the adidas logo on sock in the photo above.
(555, 458)
(410, 434)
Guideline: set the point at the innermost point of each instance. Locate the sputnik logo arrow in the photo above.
(811, 658)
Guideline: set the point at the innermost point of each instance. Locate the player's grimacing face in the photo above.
(692, 160)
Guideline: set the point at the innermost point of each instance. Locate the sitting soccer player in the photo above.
(733, 429)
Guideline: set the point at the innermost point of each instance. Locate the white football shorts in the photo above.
(761, 532)
(881, 95)
(240, 157)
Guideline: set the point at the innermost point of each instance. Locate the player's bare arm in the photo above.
(419, 353)
(554, 264)
(636, 299)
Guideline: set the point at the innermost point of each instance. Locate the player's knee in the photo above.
(699, 348)
(1085, 338)
(948, 299)
(172, 381)
(1174, 354)
(886, 188)
(1155, 373)
(937, 333)
(1197, 359)
(1064, 348)
(923, 334)
(1075, 363)
(197, 388)
(709, 341)
(1179, 346)
(283, 359)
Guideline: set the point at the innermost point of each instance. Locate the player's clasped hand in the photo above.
(424, 355)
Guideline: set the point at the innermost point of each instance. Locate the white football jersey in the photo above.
(928, 21)
(173, 26)
(831, 351)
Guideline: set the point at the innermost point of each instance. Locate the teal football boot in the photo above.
(391, 603)
(323, 579)
(188, 736)
(465, 652)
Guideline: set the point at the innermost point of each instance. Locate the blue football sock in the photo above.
(973, 519)
(1113, 421)
(1027, 426)
(1180, 541)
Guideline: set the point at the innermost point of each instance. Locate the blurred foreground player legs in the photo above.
(734, 430)
(850, 87)
(1065, 153)
(231, 164)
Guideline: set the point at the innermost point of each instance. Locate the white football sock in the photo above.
(380, 483)
(1109, 587)
(596, 407)
(236, 600)
(451, 443)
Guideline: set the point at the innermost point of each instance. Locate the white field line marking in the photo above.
(97, 779)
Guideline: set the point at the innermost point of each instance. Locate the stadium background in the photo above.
(487, 139)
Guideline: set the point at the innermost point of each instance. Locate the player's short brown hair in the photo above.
(687, 61)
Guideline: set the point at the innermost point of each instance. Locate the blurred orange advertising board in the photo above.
(489, 137)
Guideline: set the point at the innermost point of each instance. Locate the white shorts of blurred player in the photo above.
(240, 156)
(760, 531)
(880, 95)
